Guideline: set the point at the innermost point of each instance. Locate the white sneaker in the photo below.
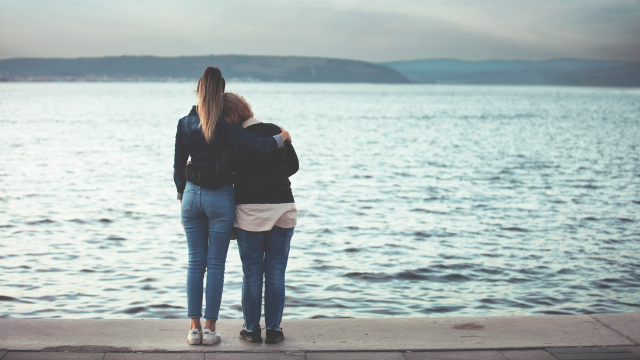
(210, 337)
(195, 337)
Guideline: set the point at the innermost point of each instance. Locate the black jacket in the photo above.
(190, 142)
(260, 178)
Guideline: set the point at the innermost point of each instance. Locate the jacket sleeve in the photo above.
(292, 159)
(179, 162)
(237, 135)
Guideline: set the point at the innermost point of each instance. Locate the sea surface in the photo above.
(414, 200)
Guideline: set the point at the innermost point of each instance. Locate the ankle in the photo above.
(195, 324)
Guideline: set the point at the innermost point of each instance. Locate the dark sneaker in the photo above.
(274, 336)
(251, 336)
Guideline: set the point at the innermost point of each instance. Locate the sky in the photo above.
(370, 30)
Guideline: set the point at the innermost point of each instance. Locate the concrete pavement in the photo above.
(521, 337)
(585, 353)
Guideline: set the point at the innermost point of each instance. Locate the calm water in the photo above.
(414, 200)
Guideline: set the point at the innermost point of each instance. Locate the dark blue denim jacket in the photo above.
(190, 141)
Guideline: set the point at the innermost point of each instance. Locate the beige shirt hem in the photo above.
(263, 217)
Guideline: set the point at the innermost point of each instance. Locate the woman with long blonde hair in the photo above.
(208, 214)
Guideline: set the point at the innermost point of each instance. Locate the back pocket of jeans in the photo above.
(187, 200)
(217, 202)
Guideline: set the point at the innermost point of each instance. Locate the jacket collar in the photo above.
(250, 122)
(193, 111)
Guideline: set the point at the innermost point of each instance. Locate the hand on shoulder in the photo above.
(285, 135)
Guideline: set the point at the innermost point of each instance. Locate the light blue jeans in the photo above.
(207, 217)
(265, 254)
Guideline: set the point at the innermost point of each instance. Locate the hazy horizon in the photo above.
(303, 56)
(374, 31)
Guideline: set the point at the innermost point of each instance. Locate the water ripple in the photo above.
(414, 200)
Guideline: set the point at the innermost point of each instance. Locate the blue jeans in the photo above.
(207, 217)
(263, 253)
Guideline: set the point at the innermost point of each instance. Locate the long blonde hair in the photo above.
(235, 109)
(209, 93)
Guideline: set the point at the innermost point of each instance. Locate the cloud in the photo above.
(374, 30)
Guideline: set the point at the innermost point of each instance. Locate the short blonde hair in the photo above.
(235, 108)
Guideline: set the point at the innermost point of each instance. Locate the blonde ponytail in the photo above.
(209, 93)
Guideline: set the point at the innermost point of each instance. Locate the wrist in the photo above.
(279, 140)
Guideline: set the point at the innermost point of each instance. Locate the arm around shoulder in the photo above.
(238, 136)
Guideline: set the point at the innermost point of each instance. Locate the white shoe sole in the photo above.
(194, 341)
(210, 341)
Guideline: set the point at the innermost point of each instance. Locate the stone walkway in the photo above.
(569, 337)
(586, 353)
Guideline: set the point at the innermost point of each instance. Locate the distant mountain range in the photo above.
(312, 69)
(187, 68)
(550, 72)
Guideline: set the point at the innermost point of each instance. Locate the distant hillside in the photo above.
(623, 75)
(550, 72)
(247, 68)
(309, 69)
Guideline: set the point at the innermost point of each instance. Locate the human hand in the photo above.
(285, 134)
